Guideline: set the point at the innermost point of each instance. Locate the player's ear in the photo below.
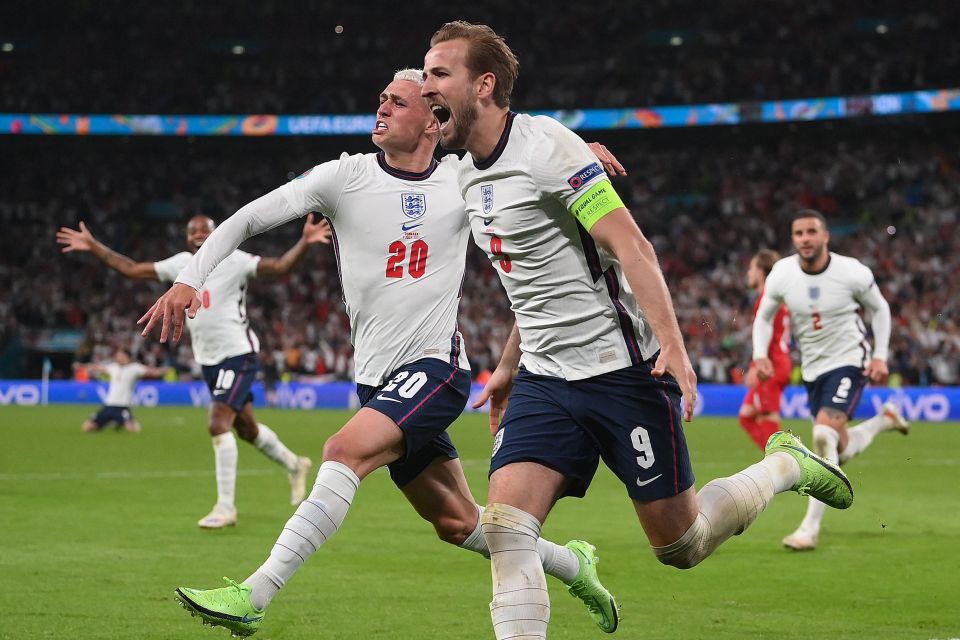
(484, 85)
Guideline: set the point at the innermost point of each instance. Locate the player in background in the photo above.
(124, 375)
(400, 234)
(603, 364)
(225, 345)
(824, 293)
(760, 411)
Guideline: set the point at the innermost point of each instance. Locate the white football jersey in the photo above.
(824, 312)
(221, 329)
(576, 314)
(123, 380)
(400, 240)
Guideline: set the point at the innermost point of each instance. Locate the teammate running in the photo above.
(824, 293)
(225, 345)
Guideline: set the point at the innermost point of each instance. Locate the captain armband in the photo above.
(597, 201)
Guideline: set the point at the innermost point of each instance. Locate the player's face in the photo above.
(809, 238)
(449, 89)
(198, 229)
(754, 274)
(121, 357)
(402, 118)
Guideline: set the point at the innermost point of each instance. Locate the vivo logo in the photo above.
(23, 394)
(933, 406)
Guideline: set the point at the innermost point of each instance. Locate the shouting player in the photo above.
(603, 363)
(760, 411)
(224, 345)
(824, 293)
(123, 374)
(400, 234)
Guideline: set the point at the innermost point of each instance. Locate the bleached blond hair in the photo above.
(413, 75)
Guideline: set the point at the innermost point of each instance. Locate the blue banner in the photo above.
(698, 115)
(935, 404)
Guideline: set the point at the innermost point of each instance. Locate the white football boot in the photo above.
(221, 516)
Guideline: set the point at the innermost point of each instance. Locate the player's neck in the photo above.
(486, 133)
(417, 161)
(817, 265)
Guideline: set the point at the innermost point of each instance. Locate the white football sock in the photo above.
(268, 442)
(225, 462)
(559, 562)
(863, 434)
(520, 609)
(728, 506)
(825, 442)
(315, 520)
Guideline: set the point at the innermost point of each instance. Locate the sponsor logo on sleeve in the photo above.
(583, 176)
(304, 174)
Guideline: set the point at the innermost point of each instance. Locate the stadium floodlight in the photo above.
(7, 47)
(238, 49)
(676, 41)
(882, 28)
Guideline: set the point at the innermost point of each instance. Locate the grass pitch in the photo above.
(96, 531)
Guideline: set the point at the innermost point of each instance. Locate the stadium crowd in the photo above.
(707, 204)
(320, 56)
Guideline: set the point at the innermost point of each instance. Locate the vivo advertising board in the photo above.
(934, 404)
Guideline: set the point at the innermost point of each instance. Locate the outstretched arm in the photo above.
(264, 213)
(315, 230)
(617, 232)
(83, 240)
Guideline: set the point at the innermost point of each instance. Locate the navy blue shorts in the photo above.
(839, 389)
(423, 398)
(230, 381)
(107, 414)
(626, 417)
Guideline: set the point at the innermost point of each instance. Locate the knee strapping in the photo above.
(690, 549)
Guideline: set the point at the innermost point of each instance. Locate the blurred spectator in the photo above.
(706, 199)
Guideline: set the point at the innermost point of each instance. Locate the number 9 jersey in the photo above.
(400, 240)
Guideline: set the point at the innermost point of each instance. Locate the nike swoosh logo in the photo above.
(408, 227)
(643, 483)
(246, 620)
(488, 221)
(382, 397)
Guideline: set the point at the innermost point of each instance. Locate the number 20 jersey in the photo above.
(401, 240)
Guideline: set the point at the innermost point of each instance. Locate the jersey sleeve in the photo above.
(318, 189)
(563, 166)
(112, 370)
(168, 269)
(249, 262)
(139, 370)
(766, 311)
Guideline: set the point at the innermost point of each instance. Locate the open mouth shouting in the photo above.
(442, 114)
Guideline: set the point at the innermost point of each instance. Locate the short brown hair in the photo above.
(809, 213)
(488, 53)
(766, 258)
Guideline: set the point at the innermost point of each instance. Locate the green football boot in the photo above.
(819, 478)
(225, 607)
(587, 587)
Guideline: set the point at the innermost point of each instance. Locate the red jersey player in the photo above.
(760, 411)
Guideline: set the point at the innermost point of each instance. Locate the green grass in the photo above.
(96, 531)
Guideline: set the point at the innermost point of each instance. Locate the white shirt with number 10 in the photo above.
(221, 329)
